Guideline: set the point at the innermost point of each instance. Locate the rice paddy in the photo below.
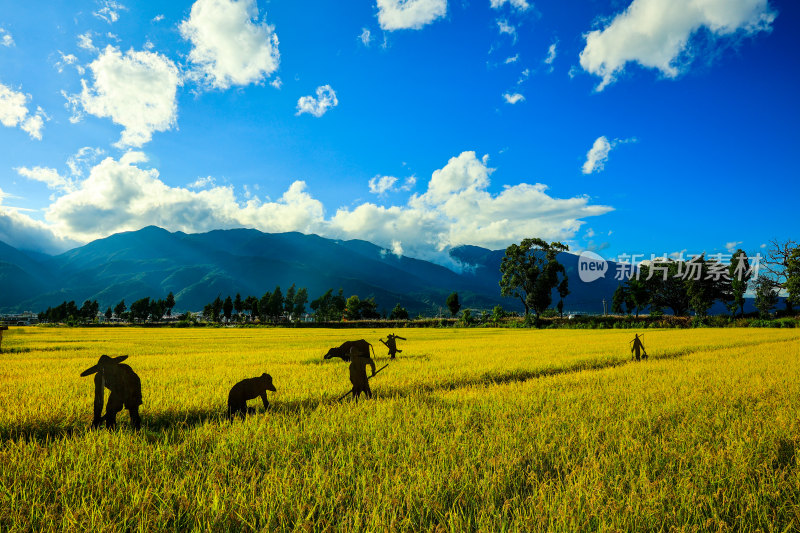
(470, 430)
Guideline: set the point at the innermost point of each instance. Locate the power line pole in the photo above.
(604, 307)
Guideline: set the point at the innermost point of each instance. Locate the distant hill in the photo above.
(198, 267)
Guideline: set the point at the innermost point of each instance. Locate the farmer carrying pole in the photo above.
(637, 349)
(358, 375)
(391, 343)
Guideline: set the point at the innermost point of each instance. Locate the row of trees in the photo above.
(684, 286)
(141, 310)
(271, 307)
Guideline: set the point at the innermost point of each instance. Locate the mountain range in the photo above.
(197, 268)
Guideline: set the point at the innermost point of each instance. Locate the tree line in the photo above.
(684, 286)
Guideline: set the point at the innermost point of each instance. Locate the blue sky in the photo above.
(623, 127)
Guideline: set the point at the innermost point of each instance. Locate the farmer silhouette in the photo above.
(125, 387)
(637, 349)
(391, 343)
(358, 373)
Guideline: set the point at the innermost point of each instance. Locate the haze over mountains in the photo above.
(198, 267)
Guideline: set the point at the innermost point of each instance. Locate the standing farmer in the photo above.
(391, 343)
(637, 348)
(358, 373)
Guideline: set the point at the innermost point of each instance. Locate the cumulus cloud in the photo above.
(23, 232)
(121, 195)
(14, 112)
(656, 34)
(326, 99)
(231, 46)
(48, 176)
(512, 59)
(521, 5)
(513, 98)
(109, 11)
(5, 38)
(409, 14)
(598, 153)
(136, 90)
(456, 208)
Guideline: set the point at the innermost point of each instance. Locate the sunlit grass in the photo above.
(472, 429)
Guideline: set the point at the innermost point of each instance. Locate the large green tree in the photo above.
(227, 308)
(453, 304)
(530, 271)
(300, 301)
(766, 290)
(169, 303)
(276, 304)
(352, 310)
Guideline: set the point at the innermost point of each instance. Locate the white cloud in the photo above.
(656, 33)
(158, 18)
(48, 176)
(380, 185)
(326, 99)
(119, 195)
(551, 54)
(83, 159)
(409, 14)
(523, 77)
(109, 11)
(513, 98)
(202, 183)
(85, 42)
(67, 59)
(597, 155)
(731, 246)
(513, 59)
(456, 208)
(137, 90)
(5, 38)
(14, 112)
(397, 248)
(365, 37)
(521, 5)
(24, 233)
(230, 45)
(277, 83)
(504, 27)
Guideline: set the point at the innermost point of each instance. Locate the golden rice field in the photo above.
(471, 430)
